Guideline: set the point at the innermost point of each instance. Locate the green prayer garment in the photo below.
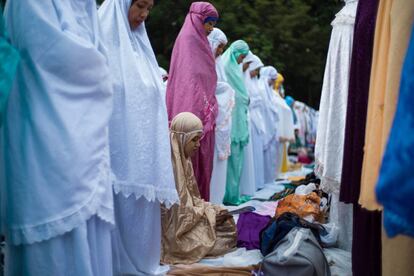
(234, 170)
(240, 129)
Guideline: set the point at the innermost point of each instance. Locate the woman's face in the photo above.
(271, 82)
(209, 26)
(245, 66)
(192, 146)
(138, 12)
(220, 49)
(241, 58)
(254, 73)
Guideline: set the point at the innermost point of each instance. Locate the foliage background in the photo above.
(292, 35)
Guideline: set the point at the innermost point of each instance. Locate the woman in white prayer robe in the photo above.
(56, 196)
(139, 139)
(268, 76)
(286, 131)
(256, 112)
(247, 179)
(225, 100)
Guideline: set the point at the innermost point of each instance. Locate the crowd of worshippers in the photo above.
(109, 168)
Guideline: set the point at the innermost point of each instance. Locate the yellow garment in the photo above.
(193, 229)
(278, 82)
(296, 178)
(285, 160)
(392, 33)
(294, 167)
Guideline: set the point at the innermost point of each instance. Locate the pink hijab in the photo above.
(192, 81)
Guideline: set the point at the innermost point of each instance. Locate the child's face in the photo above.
(220, 49)
(209, 26)
(138, 12)
(192, 146)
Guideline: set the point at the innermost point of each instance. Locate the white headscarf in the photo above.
(249, 58)
(225, 99)
(138, 131)
(271, 118)
(55, 139)
(215, 38)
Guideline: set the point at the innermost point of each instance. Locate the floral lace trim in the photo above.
(344, 20)
(347, 15)
(45, 231)
(168, 197)
(328, 185)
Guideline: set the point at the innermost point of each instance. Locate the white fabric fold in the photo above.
(271, 116)
(138, 130)
(55, 140)
(331, 126)
(286, 125)
(225, 99)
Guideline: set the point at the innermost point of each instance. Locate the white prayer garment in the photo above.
(267, 76)
(139, 143)
(225, 99)
(331, 127)
(56, 185)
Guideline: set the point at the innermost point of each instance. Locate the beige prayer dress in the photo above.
(194, 229)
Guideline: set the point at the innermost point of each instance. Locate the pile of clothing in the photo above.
(293, 237)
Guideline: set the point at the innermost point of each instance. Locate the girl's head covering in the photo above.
(184, 127)
(234, 74)
(215, 38)
(192, 80)
(139, 97)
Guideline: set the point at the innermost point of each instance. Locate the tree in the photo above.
(292, 35)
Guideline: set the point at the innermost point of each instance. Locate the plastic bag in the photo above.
(339, 261)
(332, 233)
(305, 189)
